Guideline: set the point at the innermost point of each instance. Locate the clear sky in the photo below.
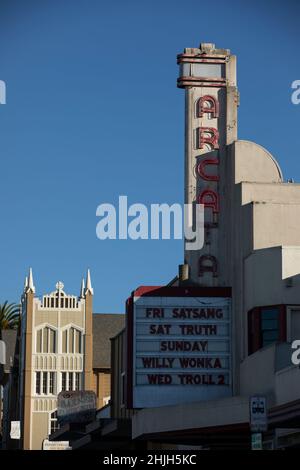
(93, 112)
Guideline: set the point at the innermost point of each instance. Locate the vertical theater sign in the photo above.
(208, 76)
(179, 338)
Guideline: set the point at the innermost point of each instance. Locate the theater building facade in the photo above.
(222, 330)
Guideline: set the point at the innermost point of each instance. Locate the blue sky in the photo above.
(93, 112)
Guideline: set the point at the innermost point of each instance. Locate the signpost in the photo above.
(256, 441)
(258, 420)
(76, 407)
(56, 445)
(15, 432)
(258, 413)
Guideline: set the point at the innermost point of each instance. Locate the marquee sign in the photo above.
(180, 345)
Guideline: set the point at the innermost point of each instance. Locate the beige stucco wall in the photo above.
(257, 373)
(46, 316)
(275, 224)
(101, 386)
(57, 317)
(287, 385)
(254, 163)
(74, 317)
(266, 273)
(226, 411)
(40, 429)
(271, 192)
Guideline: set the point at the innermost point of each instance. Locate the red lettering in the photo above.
(207, 135)
(207, 104)
(201, 169)
(203, 265)
(209, 198)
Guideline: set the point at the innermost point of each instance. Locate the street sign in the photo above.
(256, 441)
(76, 407)
(56, 445)
(15, 430)
(258, 414)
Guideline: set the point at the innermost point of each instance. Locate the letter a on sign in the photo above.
(208, 104)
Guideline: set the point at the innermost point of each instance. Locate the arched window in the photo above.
(46, 340)
(72, 341)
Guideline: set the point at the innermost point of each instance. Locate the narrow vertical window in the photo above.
(64, 381)
(71, 340)
(64, 341)
(38, 383)
(70, 381)
(77, 381)
(51, 383)
(77, 341)
(52, 341)
(269, 325)
(45, 340)
(45, 383)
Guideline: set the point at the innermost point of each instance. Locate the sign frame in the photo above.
(258, 423)
(168, 292)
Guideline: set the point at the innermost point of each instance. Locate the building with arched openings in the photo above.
(56, 351)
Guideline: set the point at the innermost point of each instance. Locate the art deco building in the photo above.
(250, 257)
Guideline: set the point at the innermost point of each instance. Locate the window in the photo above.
(64, 381)
(54, 426)
(266, 325)
(64, 341)
(38, 383)
(51, 383)
(77, 381)
(46, 340)
(45, 383)
(269, 325)
(77, 341)
(71, 381)
(72, 341)
(207, 70)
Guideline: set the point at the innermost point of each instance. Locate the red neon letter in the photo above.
(212, 139)
(207, 104)
(209, 198)
(202, 165)
(212, 267)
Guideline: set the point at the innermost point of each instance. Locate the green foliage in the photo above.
(9, 316)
